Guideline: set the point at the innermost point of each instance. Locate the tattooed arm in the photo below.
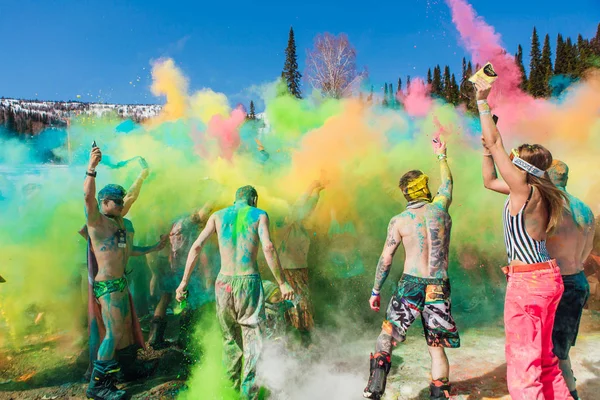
(387, 255)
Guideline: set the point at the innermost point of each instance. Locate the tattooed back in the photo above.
(425, 235)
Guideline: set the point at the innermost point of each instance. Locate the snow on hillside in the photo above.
(63, 110)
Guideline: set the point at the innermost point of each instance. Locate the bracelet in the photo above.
(373, 293)
(92, 174)
(485, 112)
(441, 157)
(487, 154)
(484, 101)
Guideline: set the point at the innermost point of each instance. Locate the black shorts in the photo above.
(431, 299)
(568, 313)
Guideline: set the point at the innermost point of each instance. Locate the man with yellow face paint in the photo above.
(424, 230)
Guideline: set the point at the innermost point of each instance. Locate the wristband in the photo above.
(92, 174)
(485, 112)
(484, 101)
(441, 157)
(487, 154)
(373, 293)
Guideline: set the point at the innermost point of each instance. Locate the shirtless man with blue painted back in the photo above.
(238, 288)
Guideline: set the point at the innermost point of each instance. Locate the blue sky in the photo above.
(101, 50)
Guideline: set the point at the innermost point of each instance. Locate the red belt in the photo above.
(511, 269)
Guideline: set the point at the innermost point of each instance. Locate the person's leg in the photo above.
(566, 324)
(159, 323)
(250, 307)
(232, 335)
(554, 385)
(402, 311)
(523, 348)
(115, 309)
(440, 332)
(440, 367)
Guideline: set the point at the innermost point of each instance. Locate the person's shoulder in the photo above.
(583, 212)
(128, 224)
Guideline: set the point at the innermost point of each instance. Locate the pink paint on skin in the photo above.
(482, 41)
(226, 130)
(417, 101)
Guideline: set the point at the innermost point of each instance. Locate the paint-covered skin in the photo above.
(425, 234)
(424, 229)
(111, 258)
(238, 232)
(573, 239)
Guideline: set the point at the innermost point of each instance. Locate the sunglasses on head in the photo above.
(118, 202)
(524, 165)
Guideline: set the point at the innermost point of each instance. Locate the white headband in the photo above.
(525, 166)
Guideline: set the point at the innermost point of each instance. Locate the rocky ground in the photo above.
(334, 368)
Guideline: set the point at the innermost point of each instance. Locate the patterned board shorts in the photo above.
(430, 298)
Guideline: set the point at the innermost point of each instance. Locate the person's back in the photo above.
(572, 241)
(238, 232)
(424, 288)
(239, 291)
(570, 245)
(425, 232)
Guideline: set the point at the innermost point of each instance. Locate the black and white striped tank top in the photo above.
(519, 245)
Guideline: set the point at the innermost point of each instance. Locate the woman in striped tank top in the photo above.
(532, 211)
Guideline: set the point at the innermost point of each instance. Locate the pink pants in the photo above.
(529, 308)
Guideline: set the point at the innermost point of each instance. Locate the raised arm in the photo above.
(490, 177)
(493, 142)
(134, 191)
(92, 213)
(193, 255)
(444, 194)
(384, 265)
(273, 258)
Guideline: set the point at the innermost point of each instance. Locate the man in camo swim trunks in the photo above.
(424, 230)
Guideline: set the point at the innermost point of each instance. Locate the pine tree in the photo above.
(571, 51)
(583, 50)
(537, 74)
(454, 94)
(447, 88)
(252, 114)
(595, 43)
(391, 95)
(561, 63)
(399, 88)
(290, 68)
(436, 82)
(464, 69)
(546, 64)
(467, 92)
(519, 61)
(407, 83)
(429, 76)
(385, 96)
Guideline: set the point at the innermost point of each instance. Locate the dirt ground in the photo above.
(52, 367)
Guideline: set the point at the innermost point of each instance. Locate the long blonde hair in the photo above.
(555, 199)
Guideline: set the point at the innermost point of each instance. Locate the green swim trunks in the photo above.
(114, 285)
